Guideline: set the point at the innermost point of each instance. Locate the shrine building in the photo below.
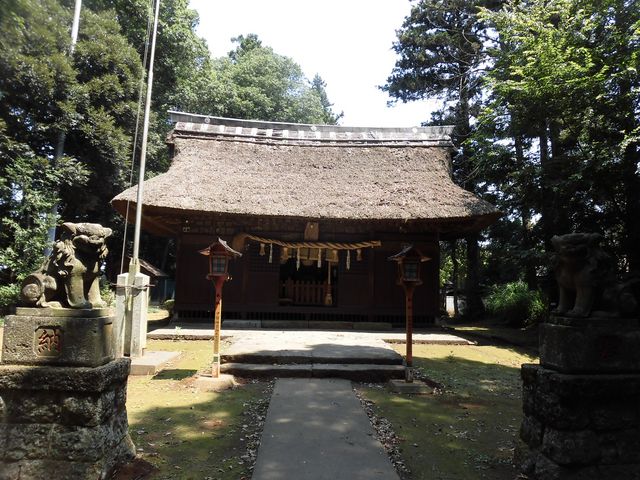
(316, 210)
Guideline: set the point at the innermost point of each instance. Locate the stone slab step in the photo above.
(292, 357)
(357, 372)
(152, 362)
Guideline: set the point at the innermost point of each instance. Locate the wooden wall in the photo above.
(366, 291)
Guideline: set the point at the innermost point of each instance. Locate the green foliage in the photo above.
(564, 109)
(8, 295)
(544, 97)
(45, 92)
(168, 305)
(446, 263)
(516, 304)
(254, 82)
(107, 293)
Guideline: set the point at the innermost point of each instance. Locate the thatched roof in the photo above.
(243, 167)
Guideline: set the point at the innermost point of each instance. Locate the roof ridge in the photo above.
(439, 131)
(192, 125)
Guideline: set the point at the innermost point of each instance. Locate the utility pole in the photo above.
(132, 293)
(59, 151)
(135, 265)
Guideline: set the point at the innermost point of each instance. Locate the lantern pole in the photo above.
(217, 324)
(408, 292)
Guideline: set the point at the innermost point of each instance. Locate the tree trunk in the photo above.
(631, 185)
(530, 276)
(475, 307)
(455, 275)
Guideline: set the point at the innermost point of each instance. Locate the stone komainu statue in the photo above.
(586, 279)
(69, 277)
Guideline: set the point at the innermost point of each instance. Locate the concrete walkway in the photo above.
(316, 429)
(195, 331)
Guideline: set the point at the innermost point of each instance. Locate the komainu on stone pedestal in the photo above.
(586, 281)
(582, 403)
(69, 277)
(63, 409)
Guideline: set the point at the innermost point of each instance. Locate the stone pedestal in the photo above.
(38, 336)
(62, 398)
(132, 301)
(582, 403)
(63, 422)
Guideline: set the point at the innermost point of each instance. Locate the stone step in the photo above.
(358, 372)
(293, 357)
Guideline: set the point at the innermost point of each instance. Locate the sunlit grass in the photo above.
(468, 431)
(184, 432)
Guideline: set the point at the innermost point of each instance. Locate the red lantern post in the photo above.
(219, 254)
(409, 261)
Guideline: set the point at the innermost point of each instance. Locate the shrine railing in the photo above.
(306, 293)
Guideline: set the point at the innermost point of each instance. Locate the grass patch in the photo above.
(469, 430)
(492, 332)
(187, 433)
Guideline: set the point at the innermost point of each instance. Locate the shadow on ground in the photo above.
(175, 374)
(518, 340)
(184, 433)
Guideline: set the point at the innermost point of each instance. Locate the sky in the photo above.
(347, 42)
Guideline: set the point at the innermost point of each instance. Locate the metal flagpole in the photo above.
(130, 324)
(134, 266)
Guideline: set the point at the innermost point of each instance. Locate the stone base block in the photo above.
(409, 388)
(57, 340)
(580, 426)
(152, 362)
(63, 422)
(590, 345)
(217, 384)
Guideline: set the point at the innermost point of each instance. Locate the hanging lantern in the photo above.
(409, 261)
(219, 254)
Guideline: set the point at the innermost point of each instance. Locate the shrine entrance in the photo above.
(308, 269)
(308, 283)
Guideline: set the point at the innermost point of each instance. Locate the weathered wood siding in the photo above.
(367, 291)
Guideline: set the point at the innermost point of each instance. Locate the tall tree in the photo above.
(319, 86)
(570, 68)
(44, 92)
(254, 82)
(442, 46)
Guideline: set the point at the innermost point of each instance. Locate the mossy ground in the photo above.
(186, 433)
(469, 430)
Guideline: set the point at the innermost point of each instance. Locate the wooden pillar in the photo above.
(408, 292)
(217, 324)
